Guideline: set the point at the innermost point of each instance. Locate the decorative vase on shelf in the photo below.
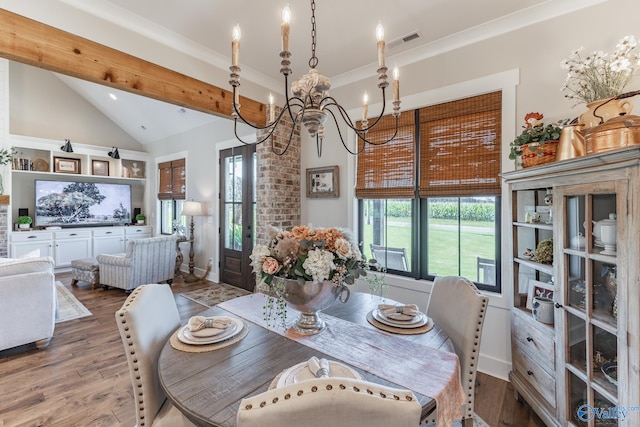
(309, 299)
(602, 110)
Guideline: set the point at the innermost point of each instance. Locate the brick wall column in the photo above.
(278, 181)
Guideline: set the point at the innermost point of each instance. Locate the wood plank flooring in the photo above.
(82, 378)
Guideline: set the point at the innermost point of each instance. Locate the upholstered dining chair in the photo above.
(322, 402)
(146, 320)
(459, 308)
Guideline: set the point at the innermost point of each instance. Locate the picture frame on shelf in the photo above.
(66, 165)
(133, 169)
(100, 167)
(323, 182)
(539, 289)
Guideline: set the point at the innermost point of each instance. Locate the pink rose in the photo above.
(270, 265)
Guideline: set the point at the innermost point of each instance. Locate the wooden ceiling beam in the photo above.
(34, 43)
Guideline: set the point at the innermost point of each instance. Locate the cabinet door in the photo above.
(21, 248)
(594, 339)
(108, 245)
(70, 249)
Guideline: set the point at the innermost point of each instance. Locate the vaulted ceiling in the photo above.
(346, 46)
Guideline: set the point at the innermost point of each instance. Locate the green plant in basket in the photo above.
(534, 134)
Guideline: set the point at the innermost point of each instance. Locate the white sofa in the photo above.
(151, 260)
(27, 302)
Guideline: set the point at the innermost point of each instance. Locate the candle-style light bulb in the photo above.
(284, 28)
(380, 38)
(396, 84)
(235, 45)
(272, 111)
(379, 32)
(365, 106)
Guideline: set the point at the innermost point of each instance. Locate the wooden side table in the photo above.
(179, 256)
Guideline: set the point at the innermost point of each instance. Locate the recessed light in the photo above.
(113, 96)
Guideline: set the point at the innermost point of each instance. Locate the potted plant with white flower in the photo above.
(308, 269)
(599, 79)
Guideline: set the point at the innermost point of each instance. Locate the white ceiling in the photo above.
(346, 45)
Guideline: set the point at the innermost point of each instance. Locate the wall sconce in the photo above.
(67, 146)
(114, 153)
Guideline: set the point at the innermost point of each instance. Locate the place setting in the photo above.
(202, 334)
(404, 319)
(313, 368)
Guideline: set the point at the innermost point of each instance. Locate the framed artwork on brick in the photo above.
(323, 182)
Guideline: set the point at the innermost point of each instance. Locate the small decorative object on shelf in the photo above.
(537, 144)
(24, 221)
(306, 268)
(599, 79)
(140, 218)
(544, 251)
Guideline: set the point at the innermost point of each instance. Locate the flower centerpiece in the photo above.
(599, 75)
(322, 259)
(537, 143)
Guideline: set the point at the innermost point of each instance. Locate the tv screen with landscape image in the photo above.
(66, 203)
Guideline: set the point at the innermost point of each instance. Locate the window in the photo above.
(171, 193)
(430, 200)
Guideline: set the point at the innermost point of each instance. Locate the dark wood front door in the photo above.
(237, 215)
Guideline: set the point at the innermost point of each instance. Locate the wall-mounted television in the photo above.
(72, 203)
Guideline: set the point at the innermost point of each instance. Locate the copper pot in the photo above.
(615, 133)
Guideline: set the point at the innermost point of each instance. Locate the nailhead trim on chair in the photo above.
(140, 406)
(314, 388)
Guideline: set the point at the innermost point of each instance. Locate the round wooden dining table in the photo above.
(207, 387)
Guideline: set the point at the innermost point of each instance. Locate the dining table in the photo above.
(207, 386)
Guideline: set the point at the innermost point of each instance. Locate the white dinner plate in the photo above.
(301, 372)
(421, 320)
(233, 329)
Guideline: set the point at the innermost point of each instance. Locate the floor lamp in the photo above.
(191, 208)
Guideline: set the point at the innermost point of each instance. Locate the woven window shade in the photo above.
(387, 171)
(460, 147)
(172, 180)
(179, 181)
(164, 184)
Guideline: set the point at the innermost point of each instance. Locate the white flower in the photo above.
(319, 264)
(258, 255)
(599, 75)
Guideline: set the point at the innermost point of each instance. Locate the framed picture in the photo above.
(66, 165)
(100, 167)
(133, 169)
(539, 289)
(323, 182)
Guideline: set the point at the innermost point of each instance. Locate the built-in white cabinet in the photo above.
(70, 245)
(75, 243)
(21, 243)
(108, 241)
(136, 232)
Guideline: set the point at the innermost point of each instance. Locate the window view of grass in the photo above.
(457, 235)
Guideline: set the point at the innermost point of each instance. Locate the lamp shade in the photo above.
(191, 208)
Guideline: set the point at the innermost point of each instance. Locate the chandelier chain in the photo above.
(313, 61)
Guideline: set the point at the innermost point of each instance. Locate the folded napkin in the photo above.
(318, 367)
(399, 312)
(204, 327)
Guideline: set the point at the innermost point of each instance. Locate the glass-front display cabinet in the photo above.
(579, 366)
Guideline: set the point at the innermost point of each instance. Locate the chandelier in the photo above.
(309, 102)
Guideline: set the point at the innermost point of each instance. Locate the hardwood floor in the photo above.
(82, 378)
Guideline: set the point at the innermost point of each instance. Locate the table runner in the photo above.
(434, 373)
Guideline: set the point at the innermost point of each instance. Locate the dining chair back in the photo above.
(457, 306)
(322, 402)
(146, 320)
